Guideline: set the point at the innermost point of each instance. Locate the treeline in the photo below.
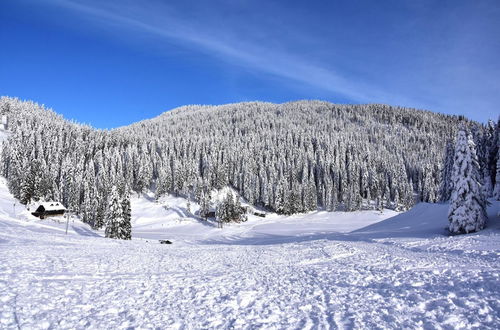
(289, 158)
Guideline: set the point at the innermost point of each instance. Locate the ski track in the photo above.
(75, 281)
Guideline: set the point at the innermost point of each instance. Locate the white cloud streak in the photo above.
(163, 22)
(422, 72)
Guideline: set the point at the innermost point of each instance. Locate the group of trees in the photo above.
(230, 210)
(288, 158)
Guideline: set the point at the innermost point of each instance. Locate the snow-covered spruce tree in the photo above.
(27, 189)
(279, 198)
(467, 211)
(496, 191)
(117, 225)
(204, 204)
(100, 215)
(487, 151)
(447, 172)
(239, 213)
(162, 184)
(223, 210)
(126, 227)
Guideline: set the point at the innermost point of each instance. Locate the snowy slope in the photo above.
(307, 271)
(12, 210)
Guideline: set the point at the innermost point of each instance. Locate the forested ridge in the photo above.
(289, 158)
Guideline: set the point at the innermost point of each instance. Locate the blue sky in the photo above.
(111, 63)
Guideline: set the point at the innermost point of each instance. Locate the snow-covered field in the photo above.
(320, 270)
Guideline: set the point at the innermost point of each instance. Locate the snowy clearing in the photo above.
(151, 220)
(321, 270)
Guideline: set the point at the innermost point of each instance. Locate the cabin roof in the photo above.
(52, 206)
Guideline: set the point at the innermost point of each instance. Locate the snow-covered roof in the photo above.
(52, 206)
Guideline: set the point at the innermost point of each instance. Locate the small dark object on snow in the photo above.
(262, 215)
(165, 241)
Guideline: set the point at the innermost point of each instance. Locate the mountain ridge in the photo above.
(190, 107)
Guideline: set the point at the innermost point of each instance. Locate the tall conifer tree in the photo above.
(467, 211)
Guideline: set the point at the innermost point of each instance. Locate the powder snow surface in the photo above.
(319, 270)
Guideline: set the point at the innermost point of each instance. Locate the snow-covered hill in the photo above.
(291, 158)
(318, 270)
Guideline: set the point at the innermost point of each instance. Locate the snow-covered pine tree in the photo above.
(310, 196)
(125, 231)
(101, 210)
(467, 211)
(279, 198)
(27, 187)
(114, 216)
(224, 209)
(161, 184)
(239, 213)
(387, 197)
(409, 199)
(447, 172)
(487, 157)
(144, 172)
(230, 206)
(204, 204)
(428, 184)
(496, 191)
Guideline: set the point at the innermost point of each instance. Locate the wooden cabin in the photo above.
(49, 209)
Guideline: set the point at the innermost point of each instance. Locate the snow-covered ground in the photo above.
(319, 270)
(170, 219)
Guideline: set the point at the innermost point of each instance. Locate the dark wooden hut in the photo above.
(49, 209)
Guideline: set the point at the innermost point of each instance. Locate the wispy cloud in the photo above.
(224, 42)
(413, 55)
